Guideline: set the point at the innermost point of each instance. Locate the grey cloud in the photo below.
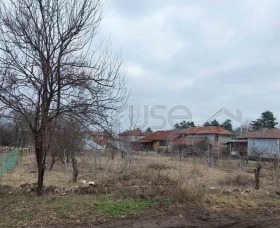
(202, 54)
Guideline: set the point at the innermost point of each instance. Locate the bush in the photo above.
(186, 193)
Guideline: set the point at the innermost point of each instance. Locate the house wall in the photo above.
(224, 138)
(265, 148)
(219, 141)
(157, 146)
(214, 138)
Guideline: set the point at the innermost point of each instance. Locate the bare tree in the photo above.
(13, 131)
(67, 143)
(49, 67)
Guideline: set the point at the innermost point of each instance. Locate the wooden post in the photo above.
(257, 175)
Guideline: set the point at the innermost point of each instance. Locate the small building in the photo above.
(111, 143)
(131, 135)
(92, 139)
(210, 137)
(96, 135)
(131, 138)
(159, 140)
(215, 138)
(263, 144)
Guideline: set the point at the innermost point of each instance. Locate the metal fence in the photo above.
(8, 160)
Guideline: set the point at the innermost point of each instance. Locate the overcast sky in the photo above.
(204, 55)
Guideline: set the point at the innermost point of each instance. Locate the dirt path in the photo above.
(217, 222)
(272, 221)
(267, 222)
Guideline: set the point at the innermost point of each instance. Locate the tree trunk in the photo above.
(257, 175)
(75, 170)
(41, 172)
(40, 168)
(52, 162)
(113, 153)
(40, 159)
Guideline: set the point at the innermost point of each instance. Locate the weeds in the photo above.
(153, 182)
(158, 166)
(239, 180)
(187, 193)
(64, 208)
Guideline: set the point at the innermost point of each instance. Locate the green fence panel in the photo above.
(8, 160)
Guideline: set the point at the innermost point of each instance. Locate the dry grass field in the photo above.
(184, 191)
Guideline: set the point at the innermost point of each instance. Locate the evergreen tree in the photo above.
(184, 125)
(149, 130)
(267, 120)
(227, 125)
(212, 123)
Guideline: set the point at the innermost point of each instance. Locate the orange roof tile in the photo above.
(262, 134)
(207, 130)
(105, 141)
(161, 135)
(136, 132)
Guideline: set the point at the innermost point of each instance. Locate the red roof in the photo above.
(96, 133)
(160, 136)
(263, 134)
(136, 132)
(206, 130)
(105, 141)
(172, 134)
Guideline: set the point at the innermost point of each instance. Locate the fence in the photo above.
(8, 160)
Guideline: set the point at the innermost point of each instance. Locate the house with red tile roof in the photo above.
(212, 138)
(92, 139)
(97, 135)
(131, 138)
(208, 131)
(263, 143)
(216, 137)
(158, 140)
(132, 135)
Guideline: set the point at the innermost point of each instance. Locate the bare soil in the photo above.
(192, 221)
(197, 196)
(261, 219)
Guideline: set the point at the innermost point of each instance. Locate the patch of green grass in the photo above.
(167, 201)
(18, 210)
(6, 200)
(267, 200)
(115, 207)
(24, 216)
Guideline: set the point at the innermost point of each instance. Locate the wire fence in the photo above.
(8, 160)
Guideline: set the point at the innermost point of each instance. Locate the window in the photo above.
(162, 143)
